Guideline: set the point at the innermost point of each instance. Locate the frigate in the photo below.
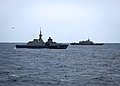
(87, 42)
(39, 43)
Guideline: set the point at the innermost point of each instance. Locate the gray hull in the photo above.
(40, 47)
(86, 44)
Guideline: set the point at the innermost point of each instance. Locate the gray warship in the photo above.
(39, 43)
(87, 42)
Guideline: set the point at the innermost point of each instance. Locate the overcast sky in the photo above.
(63, 20)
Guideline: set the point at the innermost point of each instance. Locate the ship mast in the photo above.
(40, 36)
(88, 38)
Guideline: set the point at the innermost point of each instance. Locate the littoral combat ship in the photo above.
(87, 42)
(39, 43)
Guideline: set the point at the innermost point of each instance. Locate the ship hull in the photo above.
(86, 44)
(40, 47)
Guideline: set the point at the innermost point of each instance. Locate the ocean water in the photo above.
(78, 65)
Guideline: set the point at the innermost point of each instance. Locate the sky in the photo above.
(62, 20)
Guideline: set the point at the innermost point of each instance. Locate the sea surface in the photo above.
(78, 65)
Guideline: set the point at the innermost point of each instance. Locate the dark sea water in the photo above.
(78, 65)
